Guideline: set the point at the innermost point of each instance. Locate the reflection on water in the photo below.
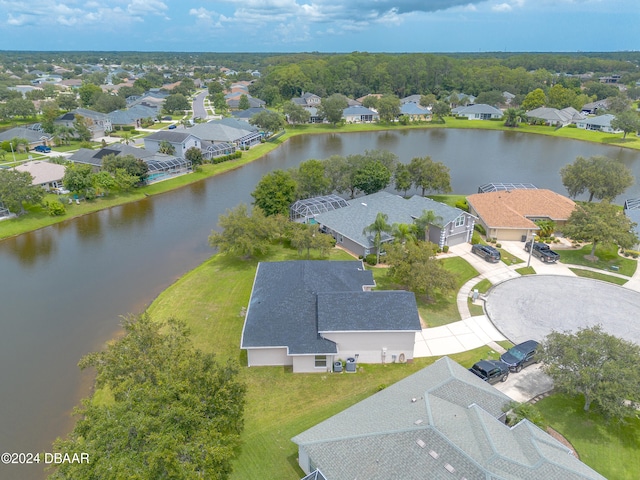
(33, 246)
(88, 228)
(134, 214)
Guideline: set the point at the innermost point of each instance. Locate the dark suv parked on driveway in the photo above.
(491, 371)
(521, 355)
(490, 254)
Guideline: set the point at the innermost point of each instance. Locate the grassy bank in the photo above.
(609, 448)
(279, 404)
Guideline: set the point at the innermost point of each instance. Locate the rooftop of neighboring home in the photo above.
(248, 113)
(479, 108)
(440, 423)
(411, 108)
(514, 208)
(566, 115)
(223, 130)
(358, 110)
(30, 134)
(600, 120)
(132, 114)
(42, 172)
(94, 157)
(361, 212)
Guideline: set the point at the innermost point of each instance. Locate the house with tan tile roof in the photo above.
(511, 214)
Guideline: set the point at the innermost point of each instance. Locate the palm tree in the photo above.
(404, 231)
(513, 116)
(427, 218)
(378, 227)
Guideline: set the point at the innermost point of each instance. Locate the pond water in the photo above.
(63, 288)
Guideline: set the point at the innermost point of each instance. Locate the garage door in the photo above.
(457, 239)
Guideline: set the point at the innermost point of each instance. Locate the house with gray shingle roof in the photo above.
(228, 130)
(32, 135)
(181, 140)
(359, 114)
(415, 111)
(452, 226)
(601, 123)
(555, 117)
(132, 116)
(478, 111)
(99, 123)
(309, 314)
(441, 423)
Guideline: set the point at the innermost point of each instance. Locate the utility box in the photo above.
(351, 365)
(337, 367)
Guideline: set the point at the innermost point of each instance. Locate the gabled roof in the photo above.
(350, 221)
(293, 302)
(31, 135)
(132, 114)
(42, 172)
(248, 113)
(600, 120)
(439, 423)
(171, 136)
(480, 108)
(226, 130)
(358, 110)
(411, 99)
(412, 108)
(94, 157)
(513, 208)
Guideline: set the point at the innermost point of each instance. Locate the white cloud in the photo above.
(502, 7)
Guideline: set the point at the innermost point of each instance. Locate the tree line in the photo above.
(352, 175)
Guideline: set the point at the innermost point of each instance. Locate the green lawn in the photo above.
(508, 258)
(482, 286)
(526, 271)
(609, 448)
(607, 257)
(599, 276)
(280, 404)
(443, 308)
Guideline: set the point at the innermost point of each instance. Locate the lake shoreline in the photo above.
(28, 224)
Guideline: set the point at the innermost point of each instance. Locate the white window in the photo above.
(460, 221)
(321, 361)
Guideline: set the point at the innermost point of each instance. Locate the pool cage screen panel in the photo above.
(304, 210)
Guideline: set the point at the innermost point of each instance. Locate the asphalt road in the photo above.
(530, 307)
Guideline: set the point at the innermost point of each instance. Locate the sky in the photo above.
(321, 25)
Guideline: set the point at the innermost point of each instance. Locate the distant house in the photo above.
(511, 214)
(228, 130)
(99, 123)
(451, 227)
(35, 136)
(480, 111)
(592, 108)
(601, 123)
(161, 166)
(181, 140)
(307, 100)
(247, 114)
(415, 111)
(233, 100)
(555, 117)
(310, 314)
(45, 174)
(359, 114)
(133, 116)
(411, 99)
(441, 423)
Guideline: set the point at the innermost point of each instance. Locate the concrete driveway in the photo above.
(526, 384)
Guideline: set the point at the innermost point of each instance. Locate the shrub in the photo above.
(55, 208)
(90, 194)
(480, 229)
(371, 259)
(445, 249)
(498, 245)
(463, 205)
(475, 238)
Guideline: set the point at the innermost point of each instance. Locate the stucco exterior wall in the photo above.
(260, 357)
(369, 345)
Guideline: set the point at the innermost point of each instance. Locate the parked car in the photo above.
(491, 371)
(172, 126)
(490, 254)
(42, 149)
(522, 355)
(543, 252)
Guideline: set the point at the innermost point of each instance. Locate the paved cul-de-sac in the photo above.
(530, 307)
